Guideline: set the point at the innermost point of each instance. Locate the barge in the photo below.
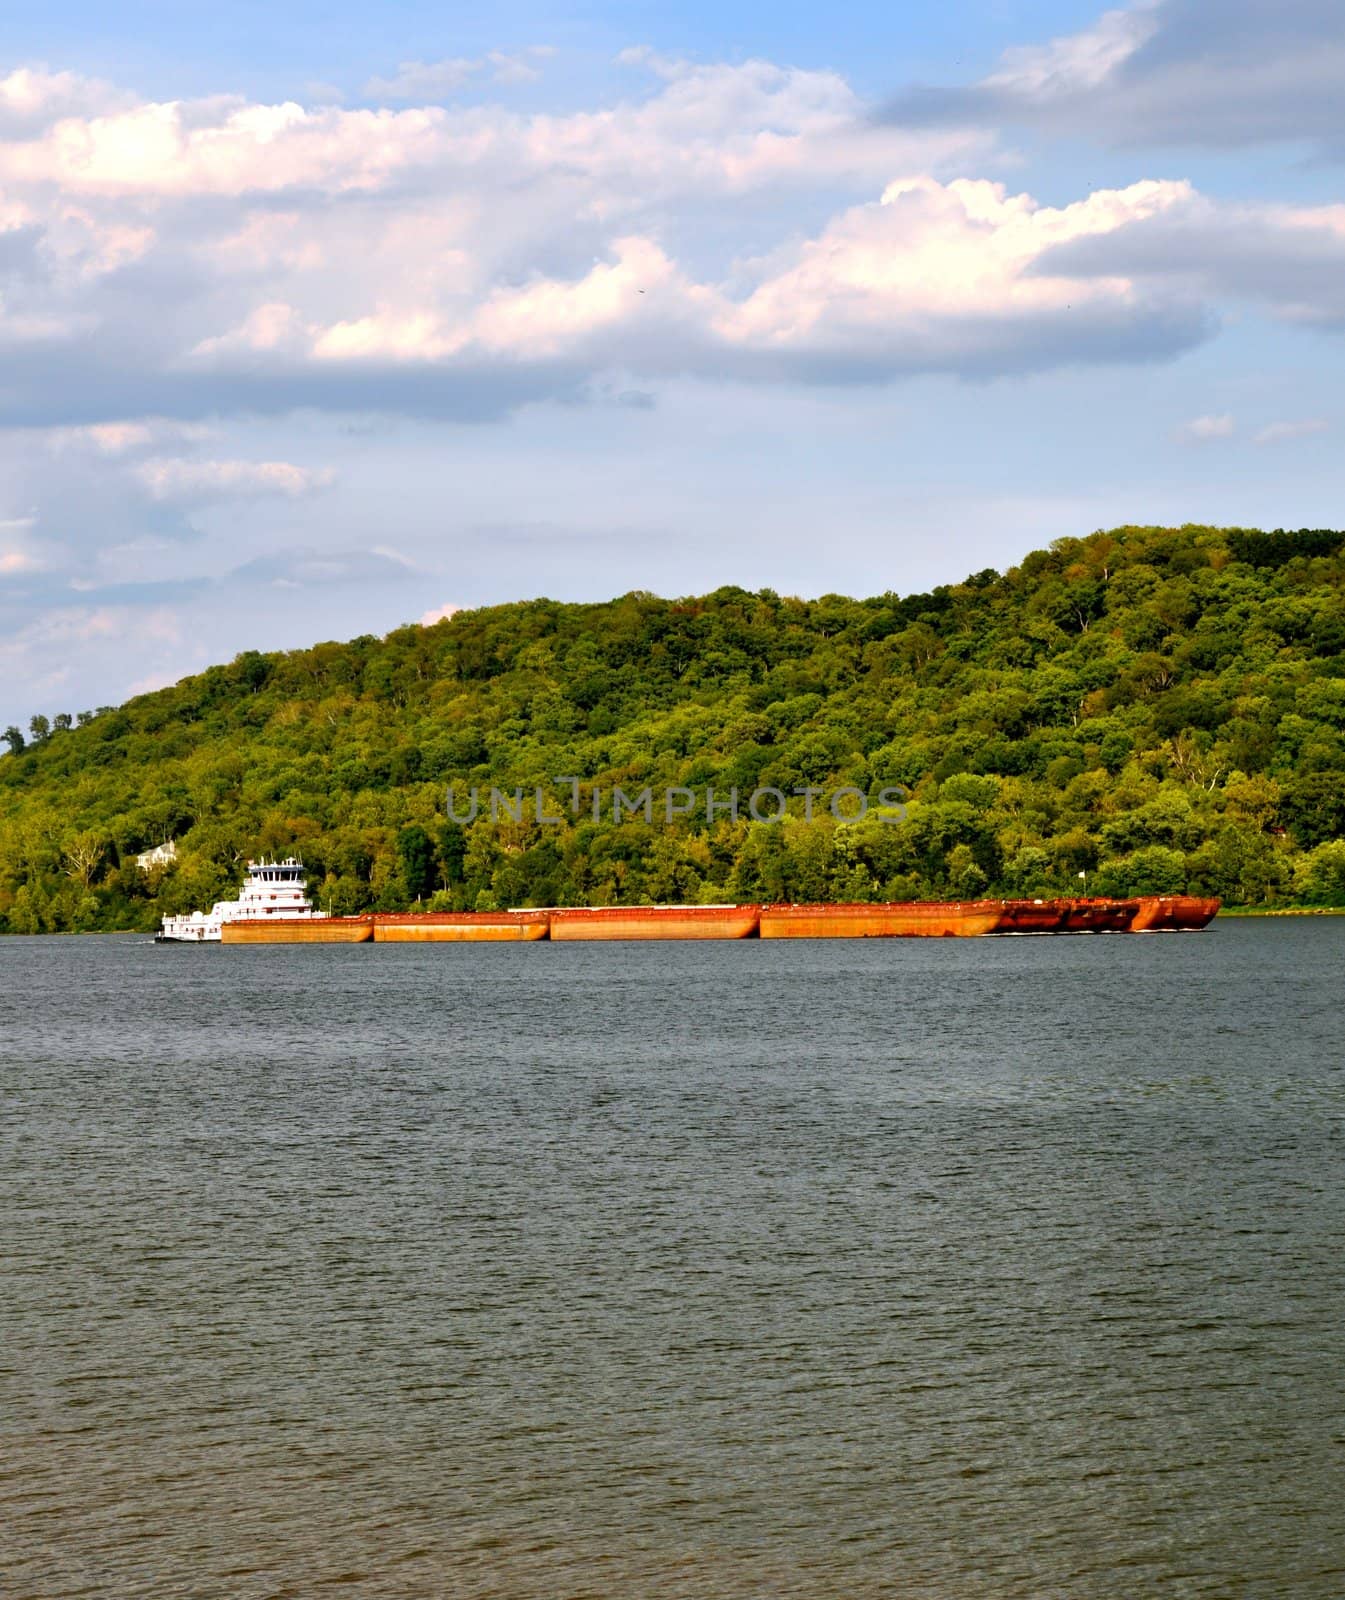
(299, 930)
(654, 922)
(912, 919)
(273, 908)
(459, 927)
(1099, 916)
(1174, 913)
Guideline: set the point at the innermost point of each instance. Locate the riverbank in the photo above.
(1282, 911)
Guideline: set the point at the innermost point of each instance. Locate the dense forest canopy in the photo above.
(1161, 709)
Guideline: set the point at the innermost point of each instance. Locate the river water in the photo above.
(946, 1270)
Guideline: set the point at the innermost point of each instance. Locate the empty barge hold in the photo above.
(299, 930)
(460, 927)
(655, 922)
(935, 919)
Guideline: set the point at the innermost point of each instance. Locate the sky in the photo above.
(314, 324)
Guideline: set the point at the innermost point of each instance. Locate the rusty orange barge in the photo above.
(914, 919)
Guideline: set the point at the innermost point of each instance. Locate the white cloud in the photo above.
(1278, 432)
(1200, 430)
(931, 276)
(114, 438)
(168, 479)
(398, 557)
(931, 268)
(221, 256)
(1289, 259)
(726, 126)
(1161, 72)
(33, 96)
(439, 614)
(18, 558)
(436, 80)
(518, 66)
(128, 436)
(224, 147)
(423, 80)
(643, 55)
(1075, 61)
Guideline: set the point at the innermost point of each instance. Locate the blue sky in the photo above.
(316, 320)
(159, 46)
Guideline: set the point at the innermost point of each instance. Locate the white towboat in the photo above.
(273, 889)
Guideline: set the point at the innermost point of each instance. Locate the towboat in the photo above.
(272, 891)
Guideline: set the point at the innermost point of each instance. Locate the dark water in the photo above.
(925, 1269)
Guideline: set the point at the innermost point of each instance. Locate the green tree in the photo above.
(415, 853)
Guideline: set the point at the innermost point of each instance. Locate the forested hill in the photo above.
(1161, 709)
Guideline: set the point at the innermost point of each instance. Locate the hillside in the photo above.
(1161, 709)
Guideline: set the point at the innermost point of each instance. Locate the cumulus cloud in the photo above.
(520, 66)
(951, 277)
(167, 478)
(1288, 259)
(18, 557)
(439, 614)
(189, 260)
(430, 81)
(1200, 430)
(32, 97)
(1207, 72)
(1279, 432)
(194, 258)
(423, 80)
(725, 127)
(929, 277)
(124, 438)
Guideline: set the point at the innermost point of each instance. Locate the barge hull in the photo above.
(480, 927)
(915, 920)
(1032, 916)
(909, 920)
(296, 930)
(655, 922)
(1173, 913)
(1099, 916)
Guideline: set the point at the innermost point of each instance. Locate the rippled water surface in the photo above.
(956, 1269)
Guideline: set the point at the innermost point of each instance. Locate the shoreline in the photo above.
(1280, 911)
